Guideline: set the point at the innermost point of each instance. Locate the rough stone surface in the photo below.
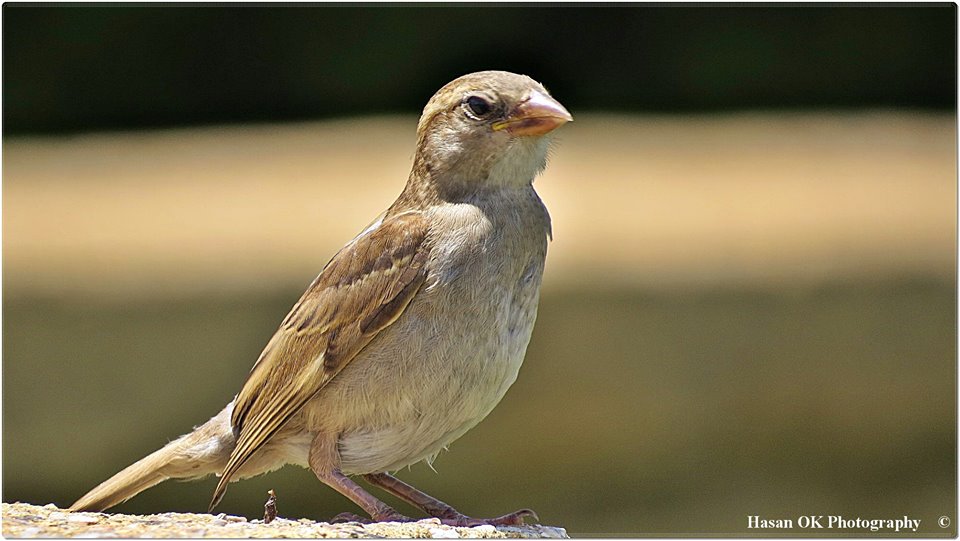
(26, 520)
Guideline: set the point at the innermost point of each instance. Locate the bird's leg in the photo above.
(324, 460)
(436, 508)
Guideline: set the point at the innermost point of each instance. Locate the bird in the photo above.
(411, 334)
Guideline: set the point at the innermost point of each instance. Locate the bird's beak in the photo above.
(537, 115)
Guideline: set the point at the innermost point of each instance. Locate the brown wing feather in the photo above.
(361, 291)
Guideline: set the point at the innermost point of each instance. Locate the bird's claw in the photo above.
(350, 517)
(450, 517)
(386, 517)
(510, 519)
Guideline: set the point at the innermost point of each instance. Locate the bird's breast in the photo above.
(452, 355)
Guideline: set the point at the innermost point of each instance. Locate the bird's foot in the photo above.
(511, 519)
(350, 517)
(384, 517)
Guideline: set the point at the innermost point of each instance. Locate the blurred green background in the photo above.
(83, 67)
(783, 343)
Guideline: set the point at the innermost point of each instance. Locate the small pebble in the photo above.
(83, 519)
(439, 533)
(484, 528)
(553, 532)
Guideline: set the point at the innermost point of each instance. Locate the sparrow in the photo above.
(411, 334)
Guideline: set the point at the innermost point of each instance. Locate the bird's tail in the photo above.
(197, 454)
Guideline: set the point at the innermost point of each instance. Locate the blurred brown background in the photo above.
(750, 300)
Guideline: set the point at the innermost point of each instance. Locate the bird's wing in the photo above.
(361, 291)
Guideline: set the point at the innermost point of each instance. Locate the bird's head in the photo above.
(488, 128)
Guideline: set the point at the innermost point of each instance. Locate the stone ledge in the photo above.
(26, 520)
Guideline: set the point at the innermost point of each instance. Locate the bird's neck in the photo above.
(422, 192)
(520, 164)
(469, 178)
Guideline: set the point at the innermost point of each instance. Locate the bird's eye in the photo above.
(477, 107)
